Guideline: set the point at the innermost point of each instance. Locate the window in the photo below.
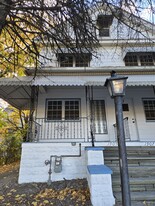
(63, 109)
(104, 22)
(149, 109)
(146, 59)
(74, 60)
(131, 60)
(140, 59)
(98, 112)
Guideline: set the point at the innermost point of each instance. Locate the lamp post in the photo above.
(116, 86)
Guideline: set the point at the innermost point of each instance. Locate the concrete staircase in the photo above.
(141, 164)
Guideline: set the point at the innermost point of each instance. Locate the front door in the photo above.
(130, 125)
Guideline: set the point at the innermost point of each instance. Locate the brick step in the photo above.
(138, 196)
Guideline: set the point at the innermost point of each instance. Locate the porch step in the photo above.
(138, 196)
(141, 165)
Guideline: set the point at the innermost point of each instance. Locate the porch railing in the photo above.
(126, 129)
(60, 129)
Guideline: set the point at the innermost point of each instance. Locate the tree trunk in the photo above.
(4, 11)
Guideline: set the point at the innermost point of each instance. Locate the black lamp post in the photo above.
(116, 86)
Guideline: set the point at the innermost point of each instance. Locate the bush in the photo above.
(10, 149)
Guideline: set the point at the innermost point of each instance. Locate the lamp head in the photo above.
(116, 85)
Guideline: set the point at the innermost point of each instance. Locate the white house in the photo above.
(73, 111)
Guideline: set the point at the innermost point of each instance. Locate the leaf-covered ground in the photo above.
(62, 193)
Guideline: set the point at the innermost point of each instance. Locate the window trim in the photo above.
(63, 109)
(87, 56)
(101, 20)
(138, 57)
(143, 99)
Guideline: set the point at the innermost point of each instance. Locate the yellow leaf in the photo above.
(46, 201)
(13, 190)
(8, 194)
(1, 198)
(34, 203)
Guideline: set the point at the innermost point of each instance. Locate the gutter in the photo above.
(91, 70)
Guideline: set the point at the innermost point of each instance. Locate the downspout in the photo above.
(154, 90)
(91, 114)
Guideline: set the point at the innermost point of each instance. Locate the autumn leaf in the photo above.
(34, 203)
(46, 202)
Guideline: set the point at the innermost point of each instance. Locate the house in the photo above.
(72, 109)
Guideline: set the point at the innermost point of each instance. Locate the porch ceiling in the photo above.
(17, 91)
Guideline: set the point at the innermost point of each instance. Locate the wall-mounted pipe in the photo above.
(49, 162)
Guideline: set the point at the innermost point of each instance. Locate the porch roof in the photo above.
(17, 90)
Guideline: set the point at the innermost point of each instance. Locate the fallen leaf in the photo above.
(46, 202)
(34, 203)
(13, 190)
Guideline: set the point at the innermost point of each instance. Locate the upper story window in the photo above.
(140, 59)
(66, 109)
(104, 22)
(74, 60)
(149, 109)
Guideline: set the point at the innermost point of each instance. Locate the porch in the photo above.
(92, 117)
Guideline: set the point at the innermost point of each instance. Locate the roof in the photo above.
(17, 90)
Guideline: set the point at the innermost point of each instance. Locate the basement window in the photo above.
(63, 109)
(104, 22)
(74, 60)
(140, 59)
(149, 109)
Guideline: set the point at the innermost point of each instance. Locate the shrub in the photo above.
(10, 149)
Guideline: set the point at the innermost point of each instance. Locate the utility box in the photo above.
(58, 164)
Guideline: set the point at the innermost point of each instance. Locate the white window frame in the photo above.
(149, 108)
(63, 117)
(74, 57)
(104, 23)
(139, 55)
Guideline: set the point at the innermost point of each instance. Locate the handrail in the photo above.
(125, 118)
(126, 129)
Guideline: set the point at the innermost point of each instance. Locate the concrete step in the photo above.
(136, 181)
(136, 171)
(138, 203)
(138, 196)
(141, 165)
